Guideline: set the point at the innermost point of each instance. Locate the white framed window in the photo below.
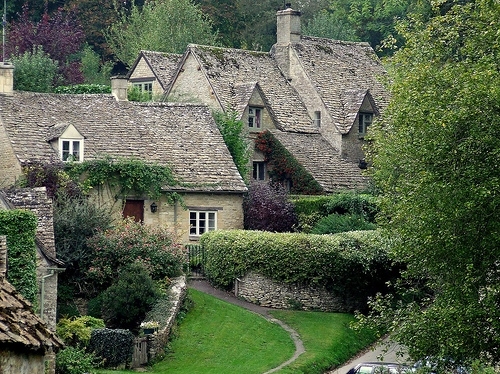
(254, 117)
(365, 120)
(201, 222)
(317, 119)
(71, 150)
(259, 170)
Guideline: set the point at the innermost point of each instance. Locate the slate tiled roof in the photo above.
(183, 136)
(229, 69)
(163, 65)
(322, 161)
(342, 73)
(20, 328)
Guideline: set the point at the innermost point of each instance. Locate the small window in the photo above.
(365, 120)
(70, 150)
(259, 171)
(145, 87)
(201, 222)
(254, 116)
(317, 119)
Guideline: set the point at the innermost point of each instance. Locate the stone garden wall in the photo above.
(263, 291)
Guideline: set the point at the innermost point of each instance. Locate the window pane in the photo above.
(211, 221)
(65, 150)
(257, 118)
(76, 150)
(262, 169)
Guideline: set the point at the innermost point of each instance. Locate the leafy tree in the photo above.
(159, 25)
(59, 35)
(374, 20)
(232, 132)
(77, 219)
(266, 207)
(94, 70)
(328, 25)
(435, 158)
(34, 71)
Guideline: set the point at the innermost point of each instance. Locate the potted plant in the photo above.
(150, 327)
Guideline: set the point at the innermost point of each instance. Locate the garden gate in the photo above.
(196, 256)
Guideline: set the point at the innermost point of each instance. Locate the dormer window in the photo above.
(71, 150)
(254, 117)
(365, 120)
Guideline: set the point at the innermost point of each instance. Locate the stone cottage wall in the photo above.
(263, 291)
(21, 363)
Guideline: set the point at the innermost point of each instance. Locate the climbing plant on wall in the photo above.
(284, 166)
(127, 175)
(20, 228)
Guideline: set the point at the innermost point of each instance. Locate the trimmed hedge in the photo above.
(113, 346)
(310, 209)
(20, 228)
(351, 265)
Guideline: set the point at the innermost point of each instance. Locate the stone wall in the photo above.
(263, 291)
(21, 363)
(158, 341)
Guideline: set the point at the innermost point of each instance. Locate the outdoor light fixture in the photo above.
(153, 207)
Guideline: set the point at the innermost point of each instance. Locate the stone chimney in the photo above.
(119, 88)
(6, 78)
(3, 257)
(288, 24)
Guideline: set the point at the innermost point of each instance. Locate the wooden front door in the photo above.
(135, 209)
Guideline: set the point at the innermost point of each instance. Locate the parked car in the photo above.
(380, 368)
(431, 365)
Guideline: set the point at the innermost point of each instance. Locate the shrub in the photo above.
(72, 360)
(266, 207)
(84, 89)
(76, 331)
(35, 71)
(156, 248)
(113, 347)
(351, 265)
(335, 223)
(135, 93)
(126, 302)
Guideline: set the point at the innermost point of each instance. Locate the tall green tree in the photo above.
(159, 25)
(328, 25)
(436, 156)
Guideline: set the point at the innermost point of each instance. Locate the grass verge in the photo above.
(327, 338)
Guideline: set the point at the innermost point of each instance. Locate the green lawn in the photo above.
(327, 338)
(219, 338)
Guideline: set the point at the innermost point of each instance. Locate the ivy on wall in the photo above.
(20, 228)
(129, 176)
(284, 166)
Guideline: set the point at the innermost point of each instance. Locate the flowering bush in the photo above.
(155, 248)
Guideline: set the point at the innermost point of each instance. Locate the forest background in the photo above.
(86, 41)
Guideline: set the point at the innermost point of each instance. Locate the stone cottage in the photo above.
(184, 137)
(26, 344)
(317, 96)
